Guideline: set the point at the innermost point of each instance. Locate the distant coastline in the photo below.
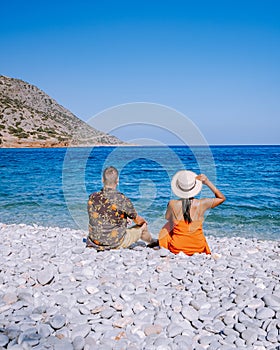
(50, 144)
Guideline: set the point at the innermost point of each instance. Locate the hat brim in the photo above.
(182, 194)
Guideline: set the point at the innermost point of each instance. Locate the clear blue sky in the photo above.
(217, 62)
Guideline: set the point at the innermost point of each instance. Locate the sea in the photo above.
(50, 187)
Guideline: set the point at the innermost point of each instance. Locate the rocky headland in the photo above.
(31, 118)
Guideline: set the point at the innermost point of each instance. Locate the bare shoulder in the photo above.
(173, 202)
(204, 203)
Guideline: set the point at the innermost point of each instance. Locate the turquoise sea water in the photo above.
(50, 187)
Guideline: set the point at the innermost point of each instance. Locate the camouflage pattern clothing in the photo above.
(108, 210)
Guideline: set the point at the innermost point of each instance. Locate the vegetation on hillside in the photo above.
(30, 118)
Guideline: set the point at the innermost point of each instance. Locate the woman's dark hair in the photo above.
(186, 207)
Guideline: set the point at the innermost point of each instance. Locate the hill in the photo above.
(31, 118)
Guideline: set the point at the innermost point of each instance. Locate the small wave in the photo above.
(21, 204)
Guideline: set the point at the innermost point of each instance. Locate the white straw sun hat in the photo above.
(185, 185)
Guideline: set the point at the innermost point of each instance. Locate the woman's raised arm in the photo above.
(219, 196)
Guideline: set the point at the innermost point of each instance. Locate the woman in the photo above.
(183, 232)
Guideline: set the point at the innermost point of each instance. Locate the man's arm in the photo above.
(131, 212)
(139, 220)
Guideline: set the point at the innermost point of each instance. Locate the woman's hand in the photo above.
(220, 198)
(203, 178)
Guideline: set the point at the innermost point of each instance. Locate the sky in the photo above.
(215, 62)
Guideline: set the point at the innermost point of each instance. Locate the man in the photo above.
(109, 212)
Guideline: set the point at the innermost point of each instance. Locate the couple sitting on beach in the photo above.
(109, 212)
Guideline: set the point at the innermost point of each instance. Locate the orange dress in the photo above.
(184, 237)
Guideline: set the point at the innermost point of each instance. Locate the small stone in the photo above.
(272, 336)
(195, 304)
(29, 337)
(174, 329)
(218, 326)
(123, 322)
(274, 324)
(190, 313)
(97, 309)
(88, 272)
(78, 343)
(63, 344)
(138, 307)
(240, 344)
(250, 312)
(78, 250)
(84, 310)
(161, 341)
(127, 296)
(26, 296)
(231, 338)
(35, 317)
(10, 298)
(65, 268)
(249, 335)
(4, 340)
(44, 330)
(183, 341)
(92, 289)
(163, 321)
(255, 303)
(272, 301)
(206, 339)
(197, 324)
(178, 273)
(61, 299)
(239, 327)
(18, 347)
(152, 329)
(265, 313)
(164, 252)
(12, 332)
(81, 331)
(83, 299)
(229, 320)
(57, 321)
(90, 343)
(45, 276)
(230, 331)
(107, 312)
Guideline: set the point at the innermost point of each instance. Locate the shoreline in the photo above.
(132, 145)
(56, 293)
(43, 146)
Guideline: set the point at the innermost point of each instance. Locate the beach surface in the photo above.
(57, 294)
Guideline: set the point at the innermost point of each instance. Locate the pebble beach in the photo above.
(57, 294)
